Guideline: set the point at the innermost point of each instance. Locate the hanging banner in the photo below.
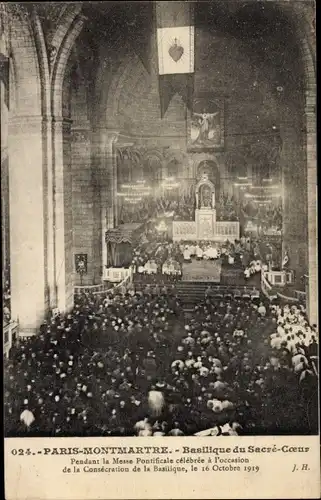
(139, 24)
(169, 85)
(175, 44)
(175, 50)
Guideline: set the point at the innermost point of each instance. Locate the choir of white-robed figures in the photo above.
(171, 267)
(211, 253)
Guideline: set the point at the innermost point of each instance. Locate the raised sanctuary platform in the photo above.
(202, 270)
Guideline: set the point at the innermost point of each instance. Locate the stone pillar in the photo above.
(51, 290)
(109, 202)
(311, 158)
(4, 103)
(63, 213)
(26, 194)
(104, 162)
(294, 194)
(84, 189)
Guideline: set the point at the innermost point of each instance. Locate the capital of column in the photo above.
(61, 124)
(104, 133)
(112, 135)
(62, 119)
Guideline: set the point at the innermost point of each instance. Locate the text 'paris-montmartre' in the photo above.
(158, 450)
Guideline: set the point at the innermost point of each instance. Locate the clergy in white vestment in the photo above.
(199, 252)
(257, 266)
(148, 268)
(27, 417)
(187, 254)
(142, 425)
(153, 267)
(192, 249)
(177, 267)
(276, 340)
(230, 259)
(208, 253)
(213, 253)
(156, 402)
(165, 268)
(171, 268)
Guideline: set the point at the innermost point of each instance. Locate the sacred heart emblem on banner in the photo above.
(176, 51)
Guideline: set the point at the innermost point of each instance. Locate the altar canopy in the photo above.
(120, 242)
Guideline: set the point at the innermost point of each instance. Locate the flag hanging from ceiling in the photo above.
(175, 50)
(169, 85)
(175, 45)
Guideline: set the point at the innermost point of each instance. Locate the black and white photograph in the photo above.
(159, 219)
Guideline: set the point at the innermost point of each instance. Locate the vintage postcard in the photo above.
(159, 242)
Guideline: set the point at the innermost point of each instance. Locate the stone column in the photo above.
(109, 198)
(104, 159)
(51, 290)
(310, 114)
(27, 234)
(63, 213)
(294, 194)
(4, 90)
(85, 188)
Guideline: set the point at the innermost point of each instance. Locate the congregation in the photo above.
(134, 364)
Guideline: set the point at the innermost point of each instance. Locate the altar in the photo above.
(205, 227)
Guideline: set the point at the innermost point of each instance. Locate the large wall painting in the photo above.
(207, 124)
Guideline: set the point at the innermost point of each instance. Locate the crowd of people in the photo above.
(157, 257)
(266, 217)
(151, 207)
(135, 364)
(262, 218)
(227, 208)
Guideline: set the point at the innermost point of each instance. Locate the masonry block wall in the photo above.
(82, 199)
(82, 192)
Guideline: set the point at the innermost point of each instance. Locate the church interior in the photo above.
(159, 219)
